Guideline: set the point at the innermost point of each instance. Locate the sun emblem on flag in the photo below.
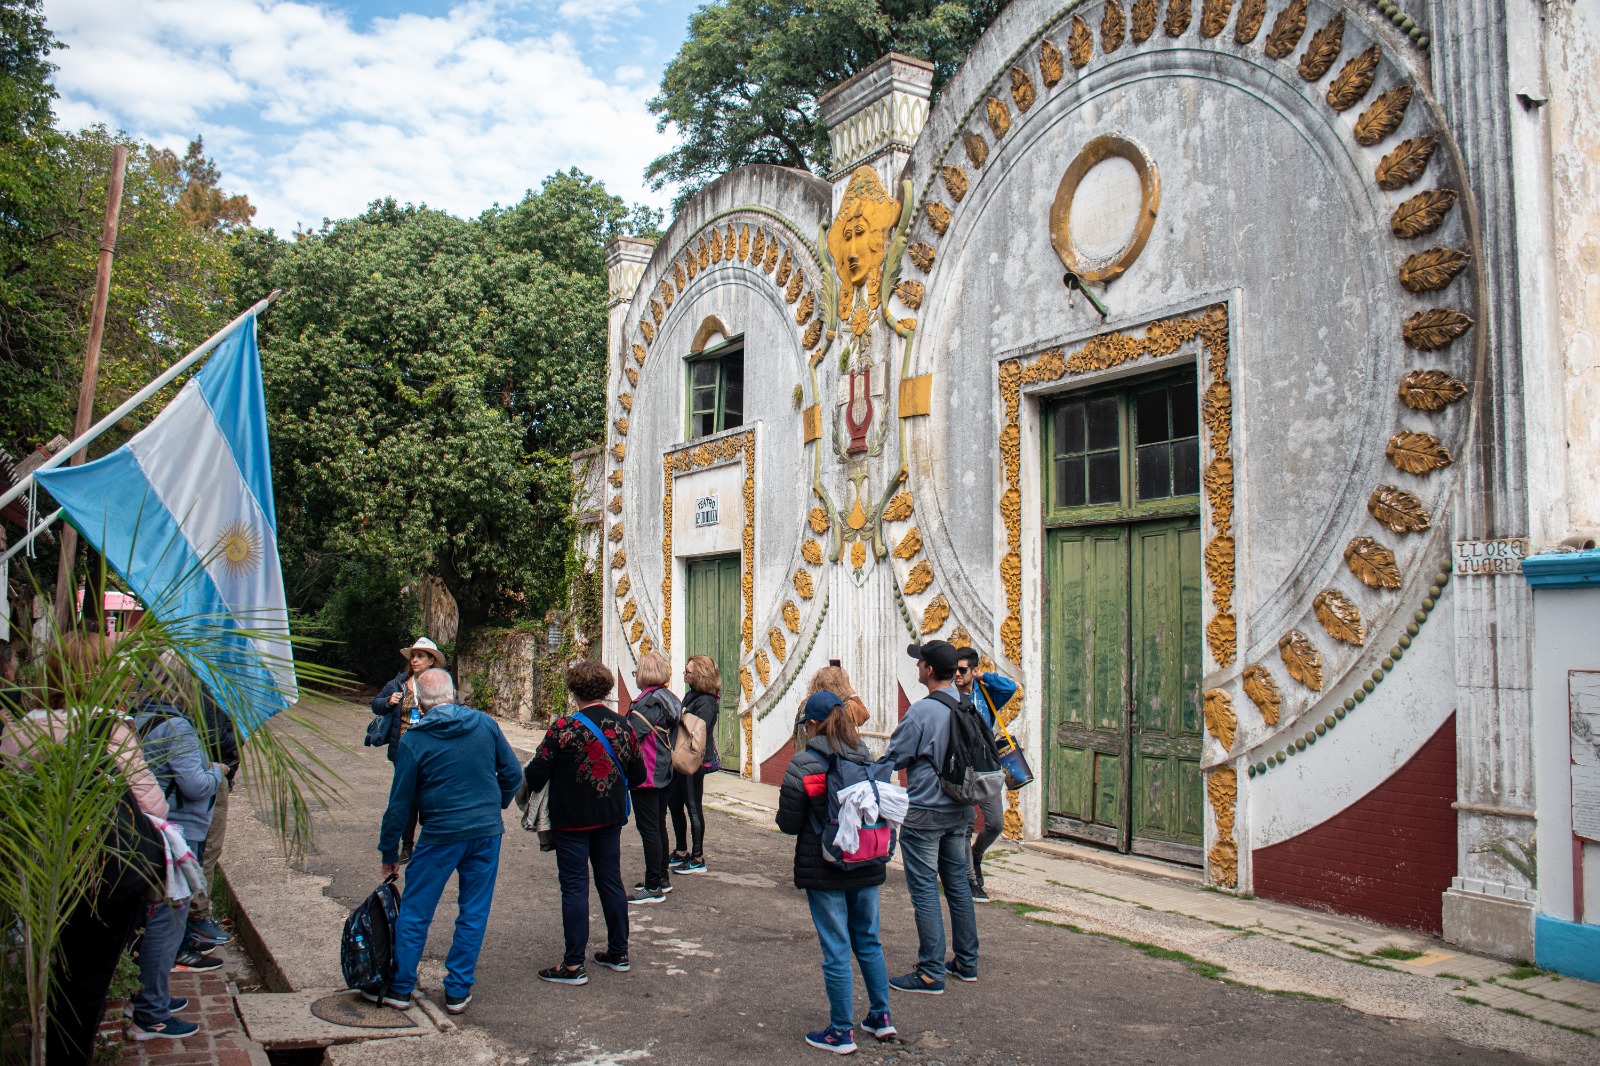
(239, 549)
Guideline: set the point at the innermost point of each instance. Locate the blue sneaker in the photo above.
(208, 929)
(917, 981)
(834, 1039)
(177, 1029)
(878, 1024)
(956, 970)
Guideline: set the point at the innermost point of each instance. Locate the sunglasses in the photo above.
(963, 669)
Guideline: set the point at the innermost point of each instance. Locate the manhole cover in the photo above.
(348, 1008)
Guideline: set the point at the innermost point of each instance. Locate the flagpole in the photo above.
(140, 397)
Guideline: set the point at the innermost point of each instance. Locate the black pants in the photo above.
(91, 944)
(684, 797)
(576, 853)
(650, 811)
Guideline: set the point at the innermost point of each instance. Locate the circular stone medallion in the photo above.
(1105, 208)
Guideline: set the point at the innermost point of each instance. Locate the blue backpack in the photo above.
(877, 839)
(366, 950)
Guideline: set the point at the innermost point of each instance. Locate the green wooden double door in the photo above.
(1122, 621)
(713, 624)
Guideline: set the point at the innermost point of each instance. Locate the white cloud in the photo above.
(314, 117)
(597, 12)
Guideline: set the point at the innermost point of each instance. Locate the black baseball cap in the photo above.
(939, 654)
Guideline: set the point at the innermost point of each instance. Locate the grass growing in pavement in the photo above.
(1397, 954)
(1523, 973)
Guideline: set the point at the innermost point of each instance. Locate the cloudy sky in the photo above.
(316, 107)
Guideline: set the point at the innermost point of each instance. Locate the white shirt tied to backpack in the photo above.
(866, 804)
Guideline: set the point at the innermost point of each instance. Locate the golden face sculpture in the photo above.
(859, 237)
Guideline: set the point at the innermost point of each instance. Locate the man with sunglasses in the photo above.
(989, 693)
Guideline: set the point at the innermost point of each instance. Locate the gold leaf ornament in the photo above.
(1080, 43)
(758, 246)
(1417, 453)
(955, 181)
(899, 508)
(1023, 93)
(819, 520)
(763, 667)
(1222, 637)
(785, 268)
(910, 293)
(791, 616)
(1263, 692)
(999, 116)
(935, 615)
(1372, 563)
(807, 305)
(1354, 81)
(1252, 13)
(1302, 659)
(1436, 329)
(1422, 214)
(1324, 49)
(977, 147)
(1050, 67)
(1113, 27)
(1433, 269)
(1180, 13)
(938, 217)
(812, 334)
(623, 585)
(803, 585)
(1383, 117)
(1398, 510)
(922, 256)
(1143, 18)
(1430, 390)
(919, 579)
(1406, 163)
(1287, 29)
(1214, 17)
(909, 545)
(811, 552)
(780, 647)
(1340, 617)
(1221, 721)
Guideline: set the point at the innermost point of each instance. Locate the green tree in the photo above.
(743, 88)
(427, 377)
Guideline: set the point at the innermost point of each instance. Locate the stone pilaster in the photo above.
(1490, 905)
(626, 259)
(875, 118)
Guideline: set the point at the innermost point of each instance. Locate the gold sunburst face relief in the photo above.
(1105, 208)
(239, 548)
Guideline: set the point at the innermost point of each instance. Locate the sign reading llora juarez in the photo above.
(1501, 556)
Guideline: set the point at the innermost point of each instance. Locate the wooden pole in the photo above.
(66, 578)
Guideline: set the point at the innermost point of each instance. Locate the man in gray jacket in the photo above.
(933, 840)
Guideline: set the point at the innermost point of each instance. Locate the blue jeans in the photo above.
(476, 862)
(932, 856)
(166, 928)
(846, 921)
(576, 852)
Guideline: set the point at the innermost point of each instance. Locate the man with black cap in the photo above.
(933, 840)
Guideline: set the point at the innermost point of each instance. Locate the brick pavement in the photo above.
(221, 1040)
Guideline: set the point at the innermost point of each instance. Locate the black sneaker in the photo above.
(565, 975)
(613, 960)
(690, 866)
(979, 893)
(397, 1002)
(956, 970)
(191, 961)
(642, 887)
(642, 896)
(457, 1004)
(676, 857)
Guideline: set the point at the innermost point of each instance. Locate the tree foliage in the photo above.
(743, 88)
(427, 377)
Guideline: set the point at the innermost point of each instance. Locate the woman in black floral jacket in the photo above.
(589, 759)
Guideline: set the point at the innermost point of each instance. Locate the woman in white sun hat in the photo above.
(398, 700)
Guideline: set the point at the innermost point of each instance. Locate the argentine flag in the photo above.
(183, 512)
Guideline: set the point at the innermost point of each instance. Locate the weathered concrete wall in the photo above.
(496, 672)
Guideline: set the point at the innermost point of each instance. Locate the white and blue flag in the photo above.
(183, 512)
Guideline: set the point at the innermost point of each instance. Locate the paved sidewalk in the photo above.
(221, 1040)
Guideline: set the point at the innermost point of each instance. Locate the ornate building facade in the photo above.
(1188, 358)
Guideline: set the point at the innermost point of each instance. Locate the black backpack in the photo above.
(970, 771)
(366, 950)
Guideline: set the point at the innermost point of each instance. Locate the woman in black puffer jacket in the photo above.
(844, 903)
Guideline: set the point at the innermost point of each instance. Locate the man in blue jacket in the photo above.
(455, 766)
(933, 839)
(988, 693)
